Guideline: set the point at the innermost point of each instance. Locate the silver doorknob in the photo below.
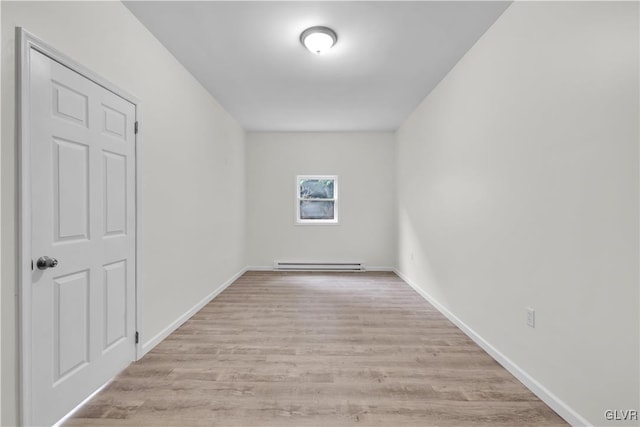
(45, 262)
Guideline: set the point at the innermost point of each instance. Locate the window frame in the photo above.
(298, 199)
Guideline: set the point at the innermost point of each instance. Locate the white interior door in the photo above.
(83, 215)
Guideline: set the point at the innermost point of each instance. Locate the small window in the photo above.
(317, 199)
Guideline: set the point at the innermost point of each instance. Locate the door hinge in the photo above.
(135, 127)
(137, 337)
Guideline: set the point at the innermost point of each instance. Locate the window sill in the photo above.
(316, 222)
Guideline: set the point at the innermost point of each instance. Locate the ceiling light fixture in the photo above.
(318, 39)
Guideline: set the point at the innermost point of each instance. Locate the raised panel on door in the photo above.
(115, 193)
(114, 123)
(115, 303)
(69, 104)
(70, 190)
(71, 324)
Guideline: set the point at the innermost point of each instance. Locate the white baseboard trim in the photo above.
(561, 408)
(260, 268)
(149, 345)
(270, 268)
(389, 269)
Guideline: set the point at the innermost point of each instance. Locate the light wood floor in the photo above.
(316, 349)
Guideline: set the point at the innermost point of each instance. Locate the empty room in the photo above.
(320, 213)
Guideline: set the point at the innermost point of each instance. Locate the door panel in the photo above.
(69, 104)
(115, 123)
(83, 214)
(115, 303)
(71, 190)
(71, 323)
(115, 182)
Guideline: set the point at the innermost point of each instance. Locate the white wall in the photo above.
(518, 187)
(1, 179)
(364, 163)
(192, 165)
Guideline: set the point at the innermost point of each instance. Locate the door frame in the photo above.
(25, 42)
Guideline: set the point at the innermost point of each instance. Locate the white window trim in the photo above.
(333, 221)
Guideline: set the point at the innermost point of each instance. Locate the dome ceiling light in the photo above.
(318, 39)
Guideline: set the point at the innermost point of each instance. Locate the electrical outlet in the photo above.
(531, 317)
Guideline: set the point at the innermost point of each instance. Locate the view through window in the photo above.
(317, 199)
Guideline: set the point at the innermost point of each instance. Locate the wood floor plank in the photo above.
(316, 349)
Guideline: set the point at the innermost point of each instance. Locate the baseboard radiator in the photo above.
(317, 266)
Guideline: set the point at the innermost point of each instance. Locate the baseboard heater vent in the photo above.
(318, 266)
